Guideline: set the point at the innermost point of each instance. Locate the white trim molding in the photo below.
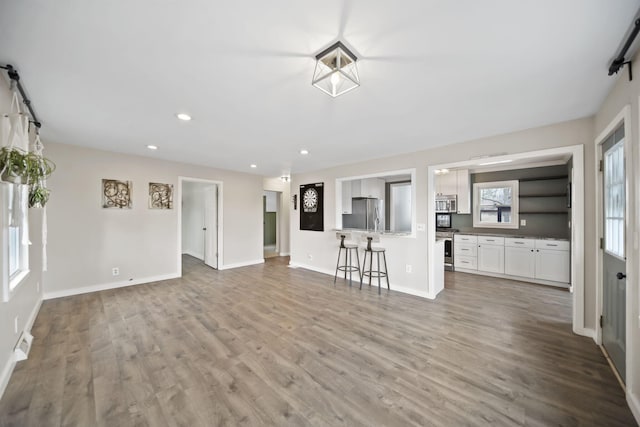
(401, 289)
(107, 286)
(7, 370)
(577, 220)
(241, 264)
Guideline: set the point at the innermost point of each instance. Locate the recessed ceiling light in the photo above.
(152, 147)
(304, 152)
(253, 166)
(183, 116)
(496, 162)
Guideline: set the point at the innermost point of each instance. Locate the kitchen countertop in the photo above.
(513, 236)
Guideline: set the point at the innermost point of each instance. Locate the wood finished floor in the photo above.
(271, 345)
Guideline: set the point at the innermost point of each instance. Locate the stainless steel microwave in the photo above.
(447, 204)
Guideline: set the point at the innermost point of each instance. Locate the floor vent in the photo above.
(24, 345)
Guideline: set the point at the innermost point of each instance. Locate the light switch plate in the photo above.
(421, 227)
(523, 222)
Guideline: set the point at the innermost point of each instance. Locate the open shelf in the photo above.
(542, 213)
(544, 195)
(544, 178)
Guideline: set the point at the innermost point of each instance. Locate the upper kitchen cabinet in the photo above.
(347, 191)
(456, 182)
(368, 187)
(463, 191)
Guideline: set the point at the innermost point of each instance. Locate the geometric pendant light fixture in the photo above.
(336, 72)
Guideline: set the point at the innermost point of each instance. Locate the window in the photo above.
(15, 233)
(614, 196)
(495, 204)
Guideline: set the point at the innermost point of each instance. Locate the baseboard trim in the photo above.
(585, 332)
(5, 375)
(242, 264)
(193, 254)
(402, 289)
(634, 405)
(107, 286)
(285, 253)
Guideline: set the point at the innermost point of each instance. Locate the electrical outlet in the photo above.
(115, 271)
(310, 257)
(15, 325)
(523, 223)
(409, 268)
(421, 227)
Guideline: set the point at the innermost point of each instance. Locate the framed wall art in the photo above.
(160, 196)
(116, 194)
(312, 207)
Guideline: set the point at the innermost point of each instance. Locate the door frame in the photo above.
(278, 202)
(577, 224)
(624, 116)
(219, 184)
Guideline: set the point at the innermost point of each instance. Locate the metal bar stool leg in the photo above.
(337, 265)
(379, 274)
(370, 266)
(386, 272)
(359, 271)
(364, 267)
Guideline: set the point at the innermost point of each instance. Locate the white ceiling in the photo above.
(112, 74)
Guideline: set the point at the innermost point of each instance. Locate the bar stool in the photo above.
(371, 272)
(348, 266)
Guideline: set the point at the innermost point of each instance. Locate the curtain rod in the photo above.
(619, 61)
(13, 75)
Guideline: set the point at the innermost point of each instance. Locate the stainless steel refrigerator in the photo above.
(366, 214)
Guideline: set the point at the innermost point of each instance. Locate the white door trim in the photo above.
(219, 184)
(623, 116)
(577, 223)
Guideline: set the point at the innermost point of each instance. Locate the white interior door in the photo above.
(614, 284)
(211, 226)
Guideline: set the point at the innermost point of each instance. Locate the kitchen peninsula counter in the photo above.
(380, 233)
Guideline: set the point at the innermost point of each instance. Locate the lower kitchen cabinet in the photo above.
(537, 260)
(554, 265)
(520, 262)
(491, 254)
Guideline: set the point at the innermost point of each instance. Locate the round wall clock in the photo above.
(310, 200)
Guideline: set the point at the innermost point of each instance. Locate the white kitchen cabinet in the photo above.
(465, 251)
(463, 191)
(368, 187)
(520, 257)
(466, 262)
(553, 261)
(456, 183)
(519, 261)
(447, 183)
(347, 192)
(491, 257)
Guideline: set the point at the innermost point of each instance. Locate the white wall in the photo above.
(27, 297)
(284, 222)
(193, 218)
(317, 250)
(625, 93)
(87, 241)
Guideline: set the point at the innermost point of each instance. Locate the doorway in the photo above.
(200, 221)
(270, 219)
(612, 182)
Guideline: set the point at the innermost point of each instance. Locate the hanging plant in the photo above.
(37, 168)
(38, 196)
(13, 165)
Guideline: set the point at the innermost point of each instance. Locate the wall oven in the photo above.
(443, 220)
